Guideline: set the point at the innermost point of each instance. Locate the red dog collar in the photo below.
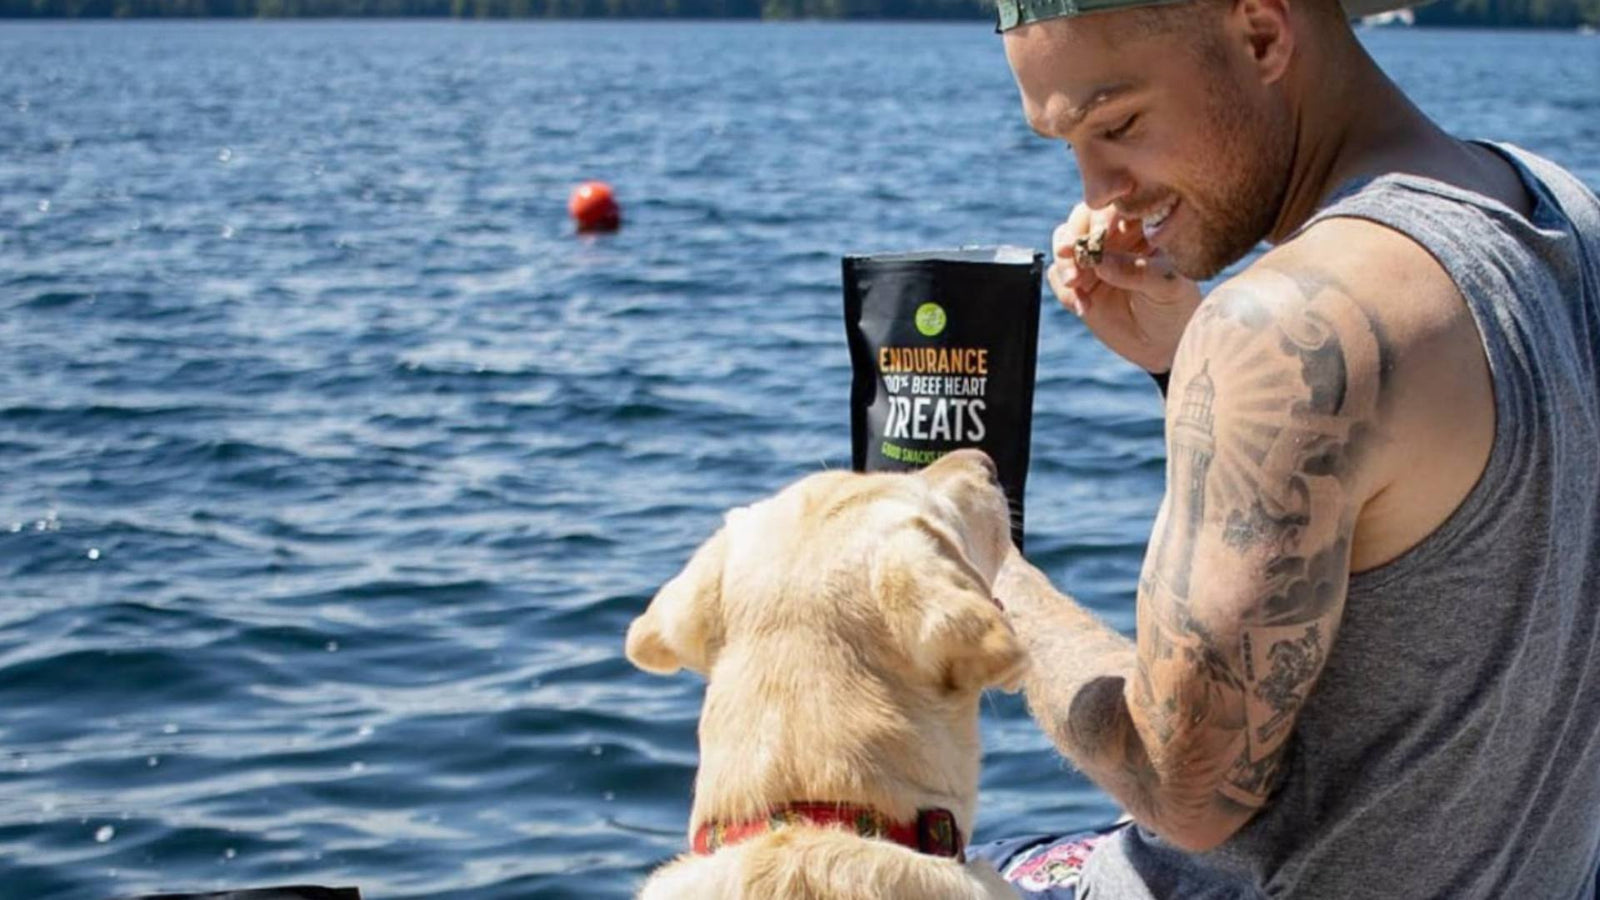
(933, 831)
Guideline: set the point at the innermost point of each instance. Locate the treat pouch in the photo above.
(944, 345)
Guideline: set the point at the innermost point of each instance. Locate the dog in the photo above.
(846, 630)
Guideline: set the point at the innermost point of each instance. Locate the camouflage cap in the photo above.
(1015, 13)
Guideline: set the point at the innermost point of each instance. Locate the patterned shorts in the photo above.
(1043, 867)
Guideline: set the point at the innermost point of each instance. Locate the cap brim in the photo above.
(1013, 13)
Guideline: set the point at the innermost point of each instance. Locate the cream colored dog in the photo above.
(846, 630)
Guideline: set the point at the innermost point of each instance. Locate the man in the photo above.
(1367, 659)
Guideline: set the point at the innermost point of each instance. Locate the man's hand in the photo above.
(1130, 297)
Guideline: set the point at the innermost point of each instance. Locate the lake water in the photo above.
(334, 466)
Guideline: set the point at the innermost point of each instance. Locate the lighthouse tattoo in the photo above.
(1189, 458)
(1280, 400)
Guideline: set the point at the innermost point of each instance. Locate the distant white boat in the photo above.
(1391, 19)
(1587, 29)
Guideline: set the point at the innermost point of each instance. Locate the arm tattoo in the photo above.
(1275, 400)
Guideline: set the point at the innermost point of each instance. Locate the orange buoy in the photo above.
(593, 208)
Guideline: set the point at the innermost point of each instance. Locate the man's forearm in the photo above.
(1075, 687)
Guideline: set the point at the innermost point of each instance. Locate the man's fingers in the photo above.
(1062, 240)
(1058, 275)
(1071, 285)
(1067, 233)
(1115, 232)
(1081, 219)
(1152, 276)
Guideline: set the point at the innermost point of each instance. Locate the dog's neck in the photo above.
(851, 738)
(933, 832)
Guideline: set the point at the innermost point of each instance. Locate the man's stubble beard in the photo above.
(1252, 153)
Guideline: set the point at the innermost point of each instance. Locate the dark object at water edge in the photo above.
(291, 892)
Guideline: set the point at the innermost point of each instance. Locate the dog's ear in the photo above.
(961, 640)
(681, 627)
(970, 643)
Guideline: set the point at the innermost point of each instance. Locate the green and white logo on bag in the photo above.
(931, 319)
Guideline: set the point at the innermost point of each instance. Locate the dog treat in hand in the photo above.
(1090, 249)
(943, 346)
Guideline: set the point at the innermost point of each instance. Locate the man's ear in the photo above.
(959, 638)
(1269, 34)
(682, 626)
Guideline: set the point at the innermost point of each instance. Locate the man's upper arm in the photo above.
(1271, 415)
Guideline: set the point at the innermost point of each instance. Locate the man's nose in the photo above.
(1103, 182)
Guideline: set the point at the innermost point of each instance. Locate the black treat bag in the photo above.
(944, 346)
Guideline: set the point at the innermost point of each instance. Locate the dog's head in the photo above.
(895, 569)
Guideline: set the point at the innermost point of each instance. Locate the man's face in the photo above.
(1175, 129)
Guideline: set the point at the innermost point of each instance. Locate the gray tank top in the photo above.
(1451, 748)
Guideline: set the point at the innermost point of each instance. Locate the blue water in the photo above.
(334, 466)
